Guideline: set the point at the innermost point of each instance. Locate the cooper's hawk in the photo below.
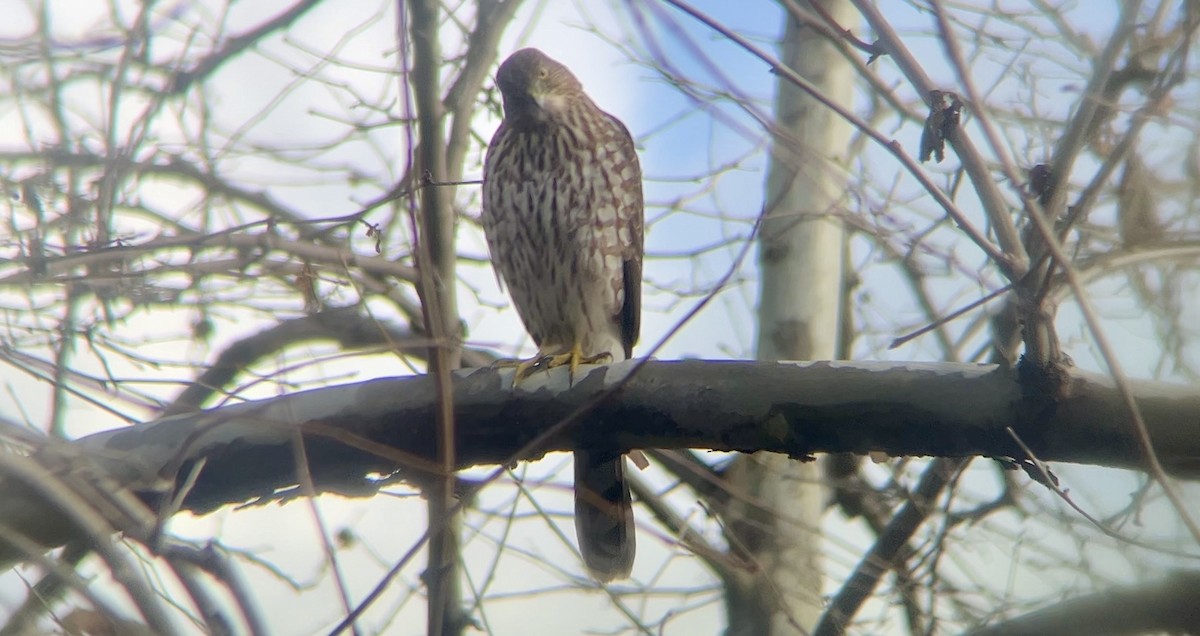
(562, 210)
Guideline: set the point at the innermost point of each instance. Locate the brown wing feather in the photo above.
(630, 215)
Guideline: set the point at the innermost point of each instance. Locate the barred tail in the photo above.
(603, 515)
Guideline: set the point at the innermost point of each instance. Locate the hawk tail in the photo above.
(603, 514)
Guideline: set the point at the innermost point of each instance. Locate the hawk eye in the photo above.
(543, 73)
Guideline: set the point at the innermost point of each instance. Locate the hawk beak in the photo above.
(538, 95)
(547, 102)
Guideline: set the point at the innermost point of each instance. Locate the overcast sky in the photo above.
(681, 141)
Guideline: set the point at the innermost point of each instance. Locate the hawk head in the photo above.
(535, 87)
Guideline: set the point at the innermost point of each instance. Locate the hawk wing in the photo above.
(488, 219)
(630, 221)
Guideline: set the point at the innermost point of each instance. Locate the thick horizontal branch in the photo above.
(798, 409)
(387, 426)
(1171, 606)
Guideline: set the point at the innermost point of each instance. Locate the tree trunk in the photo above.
(436, 260)
(801, 255)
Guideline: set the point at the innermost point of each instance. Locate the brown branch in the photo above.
(1095, 98)
(858, 498)
(434, 222)
(716, 559)
(232, 238)
(694, 473)
(216, 563)
(1000, 256)
(1014, 262)
(235, 46)
(887, 550)
(492, 16)
(348, 326)
(90, 508)
(48, 591)
(825, 24)
(172, 166)
(388, 426)
(1171, 606)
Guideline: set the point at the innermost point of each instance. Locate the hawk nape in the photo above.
(562, 211)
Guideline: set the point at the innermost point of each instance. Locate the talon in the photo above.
(541, 362)
(575, 358)
(600, 358)
(524, 368)
(504, 363)
(536, 363)
(576, 354)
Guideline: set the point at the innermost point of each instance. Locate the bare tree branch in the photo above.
(892, 544)
(388, 426)
(1172, 605)
(348, 326)
(237, 44)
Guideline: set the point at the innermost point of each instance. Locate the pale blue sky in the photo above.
(675, 157)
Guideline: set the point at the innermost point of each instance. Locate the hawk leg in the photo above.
(544, 362)
(572, 359)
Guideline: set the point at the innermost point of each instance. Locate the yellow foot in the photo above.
(541, 362)
(572, 359)
(523, 367)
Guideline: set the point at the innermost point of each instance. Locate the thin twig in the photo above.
(1082, 299)
(995, 254)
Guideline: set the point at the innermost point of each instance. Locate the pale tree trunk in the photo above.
(436, 260)
(801, 256)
